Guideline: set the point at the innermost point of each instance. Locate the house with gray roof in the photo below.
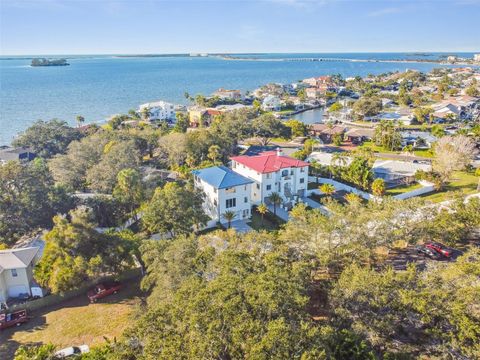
(225, 190)
(16, 272)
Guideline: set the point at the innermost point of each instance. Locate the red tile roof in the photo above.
(268, 162)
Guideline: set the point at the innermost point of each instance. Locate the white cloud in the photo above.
(385, 11)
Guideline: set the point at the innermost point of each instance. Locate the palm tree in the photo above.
(275, 199)
(80, 120)
(229, 216)
(213, 153)
(262, 210)
(378, 187)
(327, 189)
(146, 113)
(352, 198)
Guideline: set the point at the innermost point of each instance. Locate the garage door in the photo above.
(15, 291)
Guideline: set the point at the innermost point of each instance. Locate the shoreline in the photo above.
(413, 61)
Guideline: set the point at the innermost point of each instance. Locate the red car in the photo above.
(13, 319)
(440, 248)
(102, 290)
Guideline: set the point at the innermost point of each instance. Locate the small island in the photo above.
(49, 62)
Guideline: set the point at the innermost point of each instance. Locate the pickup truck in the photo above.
(103, 289)
(13, 319)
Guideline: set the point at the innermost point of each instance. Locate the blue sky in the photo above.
(173, 26)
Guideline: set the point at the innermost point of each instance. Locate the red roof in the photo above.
(268, 162)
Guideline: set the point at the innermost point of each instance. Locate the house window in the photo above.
(302, 169)
(215, 202)
(258, 186)
(285, 173)
(302, 180)
(269, 176)
(14, 273)
(269, 187)
(245, 199)
(230, 190)
(291, 172)
(229, 203)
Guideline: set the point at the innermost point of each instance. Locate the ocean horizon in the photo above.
(99, 86)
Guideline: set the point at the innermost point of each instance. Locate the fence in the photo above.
(426, 188)
(338, 186)
(54, 299)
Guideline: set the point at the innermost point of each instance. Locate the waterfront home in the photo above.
(233, 107)
(387, 102)
(159, 110)
(22, 154)
(225, 190)
(226, 94)
(16, 272)
(320, 81)
(271, 171)
(271, 103)
(313, 93)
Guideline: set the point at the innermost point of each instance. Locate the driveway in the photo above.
(241, 226)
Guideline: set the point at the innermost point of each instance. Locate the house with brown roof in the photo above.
(326, 132)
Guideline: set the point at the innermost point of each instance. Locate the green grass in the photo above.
(269, 223)
(461, 182)
(76, 321)
(427, 153)
(402, 189)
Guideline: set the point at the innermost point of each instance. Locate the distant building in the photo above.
(16, 272)
(15, 154)
(326, 133)
(228, 94)
(159, 110)
(476, 57)
(271, 103)
(271, 172)
(225, 190)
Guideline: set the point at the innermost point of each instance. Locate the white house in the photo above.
(225, 190)
(271, 103)
(159, 110)
(16, 272)
(271, 171)
(228, 94)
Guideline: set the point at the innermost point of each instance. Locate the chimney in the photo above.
(279, 152)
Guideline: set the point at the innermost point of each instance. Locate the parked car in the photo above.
(426, 251)
(440, 248)
(103, 289)
(72, 351)
(16, 318)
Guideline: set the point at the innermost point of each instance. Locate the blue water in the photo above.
(97, 87)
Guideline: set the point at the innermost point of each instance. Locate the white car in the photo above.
(72, 351)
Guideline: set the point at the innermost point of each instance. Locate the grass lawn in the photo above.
(427, 153)
(402, 189)
(75, 321)
(463, 182)
(270, 222)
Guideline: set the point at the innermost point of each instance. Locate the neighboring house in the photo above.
(387, 103)
(359, 135)
(202, 117)
(326, 133)
(228, 94)
(396, 172)
(418, 139)
(271, 103)
(225, 190)
(313, 93)
(159, 110)
(271, 171)
(15, 154)
(321, 81)
(392, 171)
(233, 107)
(16, 272)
